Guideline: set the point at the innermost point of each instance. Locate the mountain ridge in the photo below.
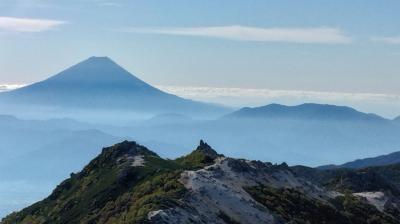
(304, 111)
(128, 183)
(383, 160)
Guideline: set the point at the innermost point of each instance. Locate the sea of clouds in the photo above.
(387, 105)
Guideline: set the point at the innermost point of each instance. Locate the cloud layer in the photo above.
(6, 87)
(325, 35)
(27, 25)
(268, 94)
(387, 40)
(383, 104)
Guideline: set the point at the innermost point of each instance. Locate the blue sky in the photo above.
(344, 47)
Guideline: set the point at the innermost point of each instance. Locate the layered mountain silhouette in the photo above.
(100, 83)
(304, 111)
(389, 159)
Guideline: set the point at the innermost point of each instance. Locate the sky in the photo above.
(227, 51)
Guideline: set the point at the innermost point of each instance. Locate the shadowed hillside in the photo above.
(389, 159)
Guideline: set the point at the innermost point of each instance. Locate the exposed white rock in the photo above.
(154, 213)
(377, 199)
(218, 190)
(138, 161)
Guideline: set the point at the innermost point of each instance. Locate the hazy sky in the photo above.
(341, 46)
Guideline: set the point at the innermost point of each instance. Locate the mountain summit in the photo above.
(100, 83)
(97, 70)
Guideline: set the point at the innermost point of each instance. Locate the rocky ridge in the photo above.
(127, 183)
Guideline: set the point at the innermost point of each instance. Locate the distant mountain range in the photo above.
(68, 144)
(389, 159)
(310, 134)
(98, 83)
(304, 111)
(128, 183)
(19, 137)
(38, 154)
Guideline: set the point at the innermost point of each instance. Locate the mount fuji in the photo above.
(101, 84)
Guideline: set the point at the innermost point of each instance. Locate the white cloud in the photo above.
(387, 40)
(110, 4)
(27, 24)
(6, 87)
(384, 104)
(245, 33)
(268, 94)
(107, 3)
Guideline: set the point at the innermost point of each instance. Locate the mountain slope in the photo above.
(304, 111)
(125, 180)
(392, 158)
(100, 83)
(127, 183)
(379, 186)
(93, 195)
(370, 179)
